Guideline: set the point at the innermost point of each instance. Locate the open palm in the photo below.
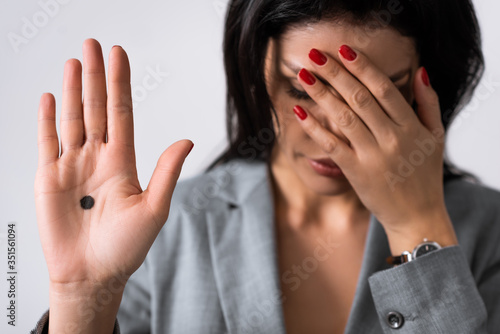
(97, 159)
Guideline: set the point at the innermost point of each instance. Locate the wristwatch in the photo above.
(421, 249)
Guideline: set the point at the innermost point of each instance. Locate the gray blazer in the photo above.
(213, 267)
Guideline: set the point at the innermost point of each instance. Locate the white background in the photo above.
(183, 39)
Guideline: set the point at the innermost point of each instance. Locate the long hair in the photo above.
(446, 33)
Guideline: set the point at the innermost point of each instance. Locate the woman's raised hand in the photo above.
(394, 158)
(109, 241)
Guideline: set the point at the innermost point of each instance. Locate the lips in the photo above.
(326, 162)
(325, 167)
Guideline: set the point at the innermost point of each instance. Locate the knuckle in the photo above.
(70, 116)
(322, 92)
(392, 142)
(122, 105)
(311, 128)
(70, 147)
(329, 146)
(94, 103)
(121, 109)
(385, 134)
(48, 118)
(169, 171)
(94, 136)
(46, 139)
(95, 71)
(123, 143)
(361, 98)
(346, 118)
(384, 89)
(334, 70)
(434, 101)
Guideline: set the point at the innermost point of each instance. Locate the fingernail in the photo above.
(425, 77)
(317, 57)
(347, 53)
(192, 145)
(301, 113)
(307, 77)
(116, 46)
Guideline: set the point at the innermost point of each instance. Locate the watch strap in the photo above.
(407, 256)
(400, 259)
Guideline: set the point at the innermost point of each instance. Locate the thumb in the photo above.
(161, 186)
(428, 110)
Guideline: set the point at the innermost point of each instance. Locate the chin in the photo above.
(329, 189)
(323, 185)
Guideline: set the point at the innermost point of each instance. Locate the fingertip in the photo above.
(348, 53)
(190, 148)
(427, 101)
(421, 85)
(48, 143)
(182, 145)
(47, 100)
(72, 77)
(92, 51)
(46, 95)
(300, 112)
(117, 48)
(89, 42)
(73, 62)
(118, 55)
(425, 77)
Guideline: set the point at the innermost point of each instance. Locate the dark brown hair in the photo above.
(446, 33)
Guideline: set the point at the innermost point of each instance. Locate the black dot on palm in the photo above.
(87, 202)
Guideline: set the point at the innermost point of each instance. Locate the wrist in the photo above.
(435, 227)
(84, 307)
(82, 291)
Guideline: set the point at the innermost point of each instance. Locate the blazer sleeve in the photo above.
(42, 326)
(134, 314)
(436, 293)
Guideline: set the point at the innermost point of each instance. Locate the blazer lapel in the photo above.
(243, 254)
(363, 316)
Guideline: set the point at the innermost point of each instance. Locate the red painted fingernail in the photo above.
(300, 112)
(347, 53)
(192, 145)
(317, 57)
(425, 77)
(307, 77)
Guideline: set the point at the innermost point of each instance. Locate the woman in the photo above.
(290, 228)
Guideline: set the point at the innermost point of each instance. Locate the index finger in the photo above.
(382, 88)
(120, 118)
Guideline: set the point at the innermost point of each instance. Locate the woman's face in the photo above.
(391, 52)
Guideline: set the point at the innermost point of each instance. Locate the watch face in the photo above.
(425, 248)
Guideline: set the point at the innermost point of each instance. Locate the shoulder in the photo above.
(474, 210)
(463, 196)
